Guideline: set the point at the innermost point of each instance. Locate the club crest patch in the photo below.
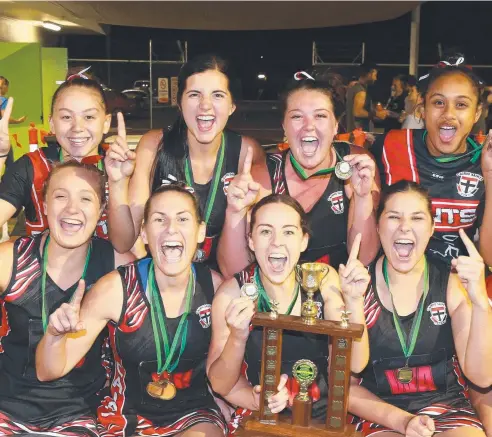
(204, 313)
(336, 200)
(438, 314)
(226, 180)
(468, 183)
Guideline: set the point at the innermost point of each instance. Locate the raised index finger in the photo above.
(7, 113)
(354, 252)
(78, 294)
(121, 125)
(470, 246)
(248, 161)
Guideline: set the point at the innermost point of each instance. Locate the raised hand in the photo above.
(364, 171)
(471, 271)
(120, 160)
(486, 161)
(278, 401)
(66, 319)
(238, 315)
(4, 128)
(420, 426)
(243, 190)
(354, 277)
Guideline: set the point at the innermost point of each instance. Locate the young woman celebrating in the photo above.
(279, 234)
(197, 150)
(428, 329)
(38, 275)
(446, 160)
(79, 120)
(159, 312)
(334, 182)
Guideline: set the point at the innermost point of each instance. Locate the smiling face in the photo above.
(206, 105)
(405, 227)
(310, 126)
(277, 239)
(79, 121)
(172, 232)
(73, 206)
(450, 111)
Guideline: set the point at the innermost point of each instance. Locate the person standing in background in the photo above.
(4, 89)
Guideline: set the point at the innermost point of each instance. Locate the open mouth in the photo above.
(277, 261)
(447, 133)
(71, 225)
(172, 250)
(404, 248)
(205, 122)
(79, 142)
(309, 145)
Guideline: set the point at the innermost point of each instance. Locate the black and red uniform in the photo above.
(295, 346)
(457, 188)
(129, 410)
(328, 218)
(22, 187)
(438, 388)
(232, 142)
(67, 405)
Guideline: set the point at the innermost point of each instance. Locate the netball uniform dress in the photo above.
(232, 150)
(295, 346)
(456, 188)
(328, 218)
(438, 387)
(67, 405)
(129, 410)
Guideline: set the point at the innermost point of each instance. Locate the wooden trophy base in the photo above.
(254, 428)
(301, 412)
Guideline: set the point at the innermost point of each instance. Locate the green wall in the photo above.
(32, 72)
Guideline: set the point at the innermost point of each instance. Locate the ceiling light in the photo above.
(262, 76)
(51, 26)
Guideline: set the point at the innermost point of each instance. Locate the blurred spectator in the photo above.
(4, 89)
(359, 107)
(412, 116)
(396, 103)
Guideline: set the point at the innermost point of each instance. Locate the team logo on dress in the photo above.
(336, 200)
(226, 180)
(467, 184)
(438, 314)
(204, 314)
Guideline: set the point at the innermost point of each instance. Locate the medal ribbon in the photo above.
(476, 151)
(158, 318)
(91, 160)
(216, 178)
(408, 341)
(302, 174)
(264, 301)
(44, 312)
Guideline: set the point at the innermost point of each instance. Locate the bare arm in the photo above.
(6, 261)
(7, 211)
(65, 344)
(121, 259)
(359, 103)
(481, 400)
(363, 190)
(127, 196)
(367, 405)
(249, 186)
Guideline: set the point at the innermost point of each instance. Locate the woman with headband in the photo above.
(446, 160)
(197, 150)
(335, 183)
(79, 119)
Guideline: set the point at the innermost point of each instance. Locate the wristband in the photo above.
(4, 156)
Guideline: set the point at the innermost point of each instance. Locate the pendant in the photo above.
(343, 170)
(405, 375)
(164, 389)
(199, 255)
(249, 290)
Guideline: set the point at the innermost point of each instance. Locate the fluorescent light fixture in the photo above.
(262, 76)
(51, 26)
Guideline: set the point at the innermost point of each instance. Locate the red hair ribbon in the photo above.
(301, 75)
(79, 74)
(444, 64)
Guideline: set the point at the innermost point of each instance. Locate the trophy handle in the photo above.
(298, 271)
(325, 271)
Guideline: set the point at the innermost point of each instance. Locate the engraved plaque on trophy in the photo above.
(310, 276)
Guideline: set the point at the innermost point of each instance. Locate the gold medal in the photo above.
(164, 389)
(405, 375)
(343, 170)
